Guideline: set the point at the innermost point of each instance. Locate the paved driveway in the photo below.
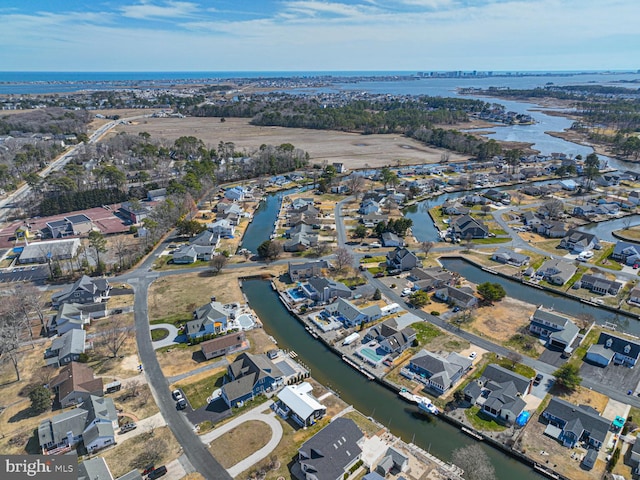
(617, 377)
(172, 339)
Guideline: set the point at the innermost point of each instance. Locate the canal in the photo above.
(536, 296)
(372, 399)
(263, 221)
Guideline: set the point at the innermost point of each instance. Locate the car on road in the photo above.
(177, 395)
(375, 244)
(127, 427)
(456, 309)
(378, 275)
(157, 472)
(538, 379)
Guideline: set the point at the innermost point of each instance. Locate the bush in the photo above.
(40, 399)
(435, 313)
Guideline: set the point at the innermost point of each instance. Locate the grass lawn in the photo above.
(240, 442)
(581, 351)
(176, 319)
(632, 234)
(491, 240)
(606, 262)
(481, 421)
(353, 281)
(523, 370)
(166, 263)
(367, 426)
(425, 332)
(159, 334)
(197, 392)
(377, 259)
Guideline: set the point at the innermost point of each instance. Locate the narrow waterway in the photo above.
(535, 296)
(263, 221)
(372, 399)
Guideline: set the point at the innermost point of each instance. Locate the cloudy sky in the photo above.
(317, 35)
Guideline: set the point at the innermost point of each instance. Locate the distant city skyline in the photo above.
(315, 35)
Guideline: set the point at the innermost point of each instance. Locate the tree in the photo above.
(40, 399)
(568, 376)
(343, 258)
(475, 463)
(115, 335)
(552, 208)
(99, 245)
(377, 295)
(360, 231)
(189, 228)
(269, 250)
(426, 247)
(491, 292)
(29, 299)
(419, 299)
(355, 184)
(512, 157)
(388, 177)
(218, 262)
(514, 358)
(591, 169)
(485, 209)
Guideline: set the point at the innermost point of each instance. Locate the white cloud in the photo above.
(148, 10)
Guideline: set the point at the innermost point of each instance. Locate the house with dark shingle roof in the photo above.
(303, 271)
(462, 297)
(66, 348)
(578, 241)
(571, 423)
(557, 330)
(323, 290)
(390, 338)
(84, 290)
(440, 373)
(330, 453)
(350, 315)
(465, 226)
(613, 348)
(509, 257)
(402, 258)
(75, 384)
(598, 283)
(429, 278)
(223, 345)
(249, 375)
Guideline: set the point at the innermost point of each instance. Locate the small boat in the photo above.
(425, 405)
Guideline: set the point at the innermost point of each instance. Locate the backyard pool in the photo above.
(246, 321)
(296, 294)
(371, 355)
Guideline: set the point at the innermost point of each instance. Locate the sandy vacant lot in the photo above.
(355, 150)
(503, 319)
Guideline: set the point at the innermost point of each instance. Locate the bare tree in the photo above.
(29, 300)
(121, 247)
(485, 209)
(11, 330)
(552, 208)
(355, 184)
(218, 262)
(514, 358)
(321, 248)
(343, 258)
(115, 335)
(426, 247)
(626, 222)
(475, 463)
(518, 196)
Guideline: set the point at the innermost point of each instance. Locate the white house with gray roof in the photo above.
(350, 315)
(558, 331)
(324, 290)
(578, 241)
(298, 403)
(437, 372)
(509, 257)
(614, 348)
(557, 271)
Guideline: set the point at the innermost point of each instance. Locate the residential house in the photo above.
(393, 460)
(578, 241)
(557, 330)
(298, 403)
(626, 252)
(70, 316)
(92, 422)
(206, 239)
(585, 211)
(157, 194)
(473, 200)
(95, 469)
(304, 271)
(453, 207)
(210, 319)
(571, 423)
(368, 207)
(439, 373)
(249, 375)
(391, 338)
(134, 212)
(465, 226)
(223, 228)
(532, 190)
(634, 459)
(390, 239)
(402, 259)
(568, 184)
(634, 296)
(187, 254)
(530, 219)
(614, 348)
(498, 196)
(607, 209)
(552, 229)
(499, 392)
(340, 167)
(299, 242)
(323, 289)
(428, 279)
(462, 297)
(75, 384)
(350, 315)
(634, 197)
(237, 194)
(373, 219)
(299, 203)
(330, 453)
(223, 345)
(84, 290)
(504, 255)
(66, 348)
(557, 271)
(597, 283)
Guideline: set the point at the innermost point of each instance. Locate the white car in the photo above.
(473, 355)
(586, 254)
(177, 395)
(405, 292)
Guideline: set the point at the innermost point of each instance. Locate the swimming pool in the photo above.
(371, 354)
(296, 294)
(246, 321)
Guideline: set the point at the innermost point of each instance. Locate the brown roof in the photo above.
(225, 341)
(76, 377)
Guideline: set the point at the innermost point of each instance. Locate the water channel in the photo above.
(535, 296)
(372, 399)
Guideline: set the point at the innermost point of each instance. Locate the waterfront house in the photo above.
(499, 392)
(585, 211)
(323, 290)
(552, 229)
(84, 290)
(66, 348)
(92, 422)
(506, 256)
(187, 254)
(350, 315)
(578, 241)
(223, 345)
(465, 226)
(373, 219)
(206, 239)
(304, 271)
(462, 297)
(614, 348)
(390, 239)
(390, 337)
(210, 319)
(330, 453)
(557, 271)
(369, 206)
(437, 372)
(634, 296)
(249, 375)
(75, 383)
(570, 423)
(626, 252)
(299, 242)
(453, 207)
(223, 228)
(393, 460)
(597, 283)
(402, 259)
(428, 279)
(557, 330)
(298, 403)
(236, 194)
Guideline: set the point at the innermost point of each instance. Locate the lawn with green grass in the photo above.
(481, 421)
(159, 334)
(425, 332)
(198, 392)
(491, 240)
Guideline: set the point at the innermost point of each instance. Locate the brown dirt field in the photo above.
(259, 341)
(353, 149)
(240, 442)
(585, 396)
(122, 458)
(119, 301)
(142, 406)
(193, 476)
(503, 319)
(176, 361)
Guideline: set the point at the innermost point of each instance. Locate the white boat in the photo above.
(425, 405)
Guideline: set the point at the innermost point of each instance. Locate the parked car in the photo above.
(177, 395)
(473, 355)
(148, 469)
(378, 275)
(157, 472)
(538, 379)
(127, 427)
(182, 404)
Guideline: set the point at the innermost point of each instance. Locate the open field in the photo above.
(240, 442)
(355, 150)
(503, 319)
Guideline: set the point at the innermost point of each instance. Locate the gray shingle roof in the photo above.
(590, 421)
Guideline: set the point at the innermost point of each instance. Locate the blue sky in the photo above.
(315, 35)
